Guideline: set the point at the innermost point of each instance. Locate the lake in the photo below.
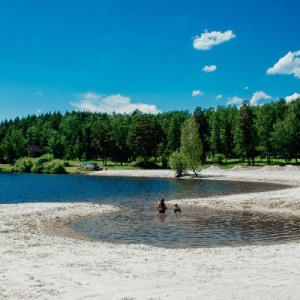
(22, 188)
(137, 220)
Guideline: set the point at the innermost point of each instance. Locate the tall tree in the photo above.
(228, 117)
(215, 133)
(102, 136)
(120, 131)
(13, 145)
(280, 107)
(283, 137)
(174, 131)
(286, 135)
(264, 122)
(191, 146)
(245, 135)
(145, 137)
(55, 145)
(71, 135)
(203, 131)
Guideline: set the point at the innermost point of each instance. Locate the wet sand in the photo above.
(42, 258)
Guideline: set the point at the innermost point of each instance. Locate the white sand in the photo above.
(41, 258)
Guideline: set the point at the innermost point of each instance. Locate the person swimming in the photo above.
(161, 206)
(176, 208)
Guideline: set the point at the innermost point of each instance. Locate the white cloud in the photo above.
(292, 97)
(289, 64)
(196, 93)
(235, 101)
(108, 104)
(208, 69)
(246, 88)
(253, 101)
(258, 96)
(219, 97)
(209, 39)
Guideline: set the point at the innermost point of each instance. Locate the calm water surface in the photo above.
(138, 222)
(191, 229)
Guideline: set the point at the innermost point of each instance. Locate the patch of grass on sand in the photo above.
(230, 163)
(73, 166)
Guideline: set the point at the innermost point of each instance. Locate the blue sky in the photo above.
(152, 55)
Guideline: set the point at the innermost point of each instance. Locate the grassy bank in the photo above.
(73, 166)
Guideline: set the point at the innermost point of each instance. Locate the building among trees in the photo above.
(34, 151)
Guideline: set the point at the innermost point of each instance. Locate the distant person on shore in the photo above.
(161, 206)
(176, 208)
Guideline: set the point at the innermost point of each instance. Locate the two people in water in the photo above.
(162, 207)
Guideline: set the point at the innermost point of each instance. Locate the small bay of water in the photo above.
(138, 222)
(192, 228)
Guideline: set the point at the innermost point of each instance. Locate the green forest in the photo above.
(247, 133)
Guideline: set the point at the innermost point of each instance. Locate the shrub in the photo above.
(164, 162)
(219, 158)
(55, 166)
(43, 164)
(144, 165)
(24, 164)
(45, 158)
(177, 163)
(37, 166)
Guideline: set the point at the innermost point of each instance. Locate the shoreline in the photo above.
(284, 201)
(42, 257)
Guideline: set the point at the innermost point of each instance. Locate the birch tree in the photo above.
(191, 146)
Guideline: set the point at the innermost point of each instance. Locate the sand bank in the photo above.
(41, 258)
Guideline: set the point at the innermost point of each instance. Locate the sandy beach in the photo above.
(42, 258)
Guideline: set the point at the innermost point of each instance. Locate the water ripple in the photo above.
(191, 228)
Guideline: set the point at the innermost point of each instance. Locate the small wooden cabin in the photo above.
(34, 151)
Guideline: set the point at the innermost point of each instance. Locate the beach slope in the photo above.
(42, 258)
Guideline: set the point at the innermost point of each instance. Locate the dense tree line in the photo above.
(247, 132)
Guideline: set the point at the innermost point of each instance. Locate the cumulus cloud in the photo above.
(246, 88)
(219, 97)
(289, 64)
(208, 69)
(258, 96)
(107, 104)
(196, 93)
(235, 101)
(209, 39)
(292, 97)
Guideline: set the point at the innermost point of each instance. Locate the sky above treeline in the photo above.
(152, 55)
